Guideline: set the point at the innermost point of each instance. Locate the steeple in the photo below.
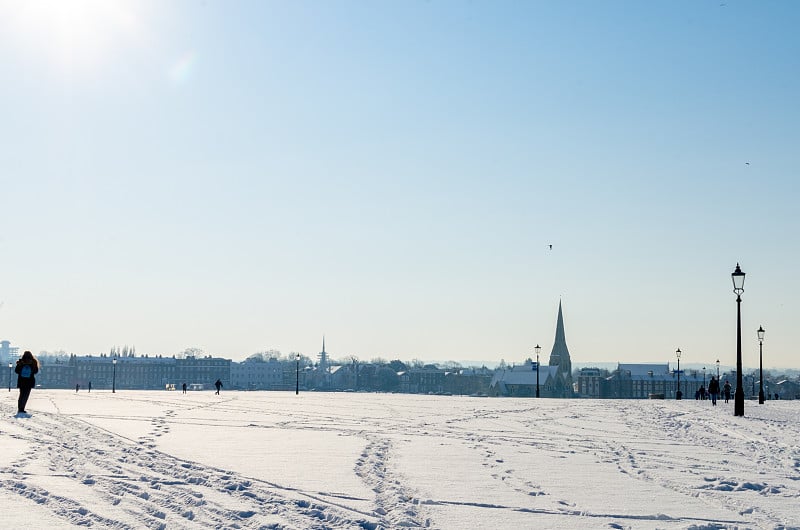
(323, 357)
(559, 356)
(560, 337)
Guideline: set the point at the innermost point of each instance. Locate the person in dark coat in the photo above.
(27, 367)
(713, 389)
(184, 388)
(218, 384)
(726, 390)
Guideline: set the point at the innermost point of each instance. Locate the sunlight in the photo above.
(75, 35)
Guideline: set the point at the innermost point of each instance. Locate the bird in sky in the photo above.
(747, 163)
(550, 246)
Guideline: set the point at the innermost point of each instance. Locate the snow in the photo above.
(351, 460)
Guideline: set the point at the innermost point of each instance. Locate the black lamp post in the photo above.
(761, 365)
(678, 394)
(297, 375)
(114, 376)
(738, 288)
(717, 370)
(537, 349)
(10, 367)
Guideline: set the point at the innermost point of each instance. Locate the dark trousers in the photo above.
(24, 394)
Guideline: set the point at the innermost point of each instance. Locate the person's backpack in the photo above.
(26, 371)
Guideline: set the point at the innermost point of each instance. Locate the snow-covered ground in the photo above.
(276, 460)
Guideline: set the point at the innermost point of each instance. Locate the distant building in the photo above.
(258, 375)
(520, 381)
(427, 380)
(560, 358)
(592, 382)
(555, 379)
(8, 353)
(132, 372)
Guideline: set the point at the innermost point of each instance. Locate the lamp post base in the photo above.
(678, 395)
(738, 402)
(761, 397)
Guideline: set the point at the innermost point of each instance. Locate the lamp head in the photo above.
(678, 353)
(537, 349)
(760, 333)
(738, 280)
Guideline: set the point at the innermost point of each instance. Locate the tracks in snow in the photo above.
(114, 482)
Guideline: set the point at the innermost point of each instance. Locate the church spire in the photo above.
(323, 343)
(560, 337)
(559, 356)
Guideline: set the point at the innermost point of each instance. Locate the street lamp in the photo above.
(679, 394)
(717, 370)
(537, 349)
(297, 375)
(738, 288)
(114, 376)
(10, 366)
(761, 365)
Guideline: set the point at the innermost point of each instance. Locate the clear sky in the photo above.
(239, 176)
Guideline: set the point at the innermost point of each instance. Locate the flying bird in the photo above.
(747, 163)
(550, 246)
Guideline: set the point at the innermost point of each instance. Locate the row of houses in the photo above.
(131, 372)
(648, 381)
(148, 373)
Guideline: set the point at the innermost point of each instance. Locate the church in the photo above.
(555, 378)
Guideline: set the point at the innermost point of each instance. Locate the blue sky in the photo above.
(239, 176)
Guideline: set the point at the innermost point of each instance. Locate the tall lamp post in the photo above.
(537, 349)
(678, 394)
(738, 288)
(114, 376)
(297, 375)
(10, 366)
(761, 365)
(717, 370)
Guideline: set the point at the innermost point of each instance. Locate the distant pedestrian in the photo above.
(702, 392)
(90, 386)
(713, 390)
(77, 387)
(218, 384)
(184, 388)
(697, 395)
(726, 390)
(27, 368)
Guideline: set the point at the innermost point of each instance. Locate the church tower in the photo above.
(323, 357)
(559, 356)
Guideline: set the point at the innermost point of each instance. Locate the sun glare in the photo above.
(76, 35)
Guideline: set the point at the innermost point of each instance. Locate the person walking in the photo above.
(218, 384)
(77, 387)
(726, 390)
(90, 386)
(713, 390)
(27, 367)
(184, 388)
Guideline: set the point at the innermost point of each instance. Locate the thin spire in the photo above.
(560, 336)
(323, 344)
